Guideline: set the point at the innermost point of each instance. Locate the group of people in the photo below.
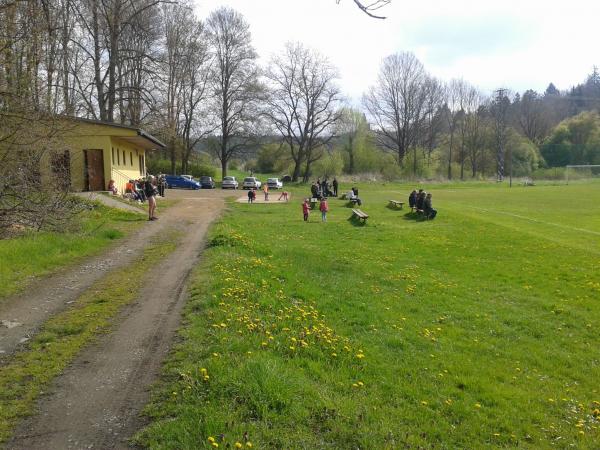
(323, 188)
(323, 207)
(141, 190)
(265, 188)
(421, 202)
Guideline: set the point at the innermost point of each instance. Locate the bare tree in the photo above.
(433, 123)
(369, 8)
(499, 109)
(302, 103)
(532, 117)
(234, 79)
(397, 103)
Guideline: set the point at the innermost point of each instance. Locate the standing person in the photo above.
(334, 183)
(314, 190)
(251, 196)
(266, 191)
(324, 207)
(412, 199)
(162, 182)
(150, 191)
(430, 213)
(305, 209)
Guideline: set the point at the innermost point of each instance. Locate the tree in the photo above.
(351, 126)
(397, 103)
(499, 109)
(302, 103)
(369, 8)
(234, 78)
(531, 116)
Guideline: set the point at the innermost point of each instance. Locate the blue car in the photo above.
(179, 181)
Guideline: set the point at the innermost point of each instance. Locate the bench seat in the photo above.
(360, 215)
(396, 203)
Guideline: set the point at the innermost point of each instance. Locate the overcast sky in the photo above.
(517, 44)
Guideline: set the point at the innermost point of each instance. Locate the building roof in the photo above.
(142, 139)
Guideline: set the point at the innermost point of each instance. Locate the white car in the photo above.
(229, 183)
(274, 183)
(251, 183)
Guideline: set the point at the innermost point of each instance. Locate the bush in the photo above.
(196, 170)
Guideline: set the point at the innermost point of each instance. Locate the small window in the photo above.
(113, 156)
(118, 157)
(131, 158)
(124, 160)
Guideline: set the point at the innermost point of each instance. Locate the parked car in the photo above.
(251, 182)
(286, 179)
(207, 183)
(229, 183)
(180, 181)
(274, 183)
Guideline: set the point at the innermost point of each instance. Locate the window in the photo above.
(131, 158)
(113, 156)
(124, 160)
(118, 157)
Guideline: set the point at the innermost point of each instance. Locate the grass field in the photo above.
(476, 330)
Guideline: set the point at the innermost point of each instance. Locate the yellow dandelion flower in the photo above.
(249, 444)
(214, 444)
(478, 405)
(211, 439)
(360, 383)
(238, 445)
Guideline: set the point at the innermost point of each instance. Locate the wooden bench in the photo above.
(396, 203)
(343, 197)
(360, 215)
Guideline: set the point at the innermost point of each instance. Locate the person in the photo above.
(150, 191)
(314, 190)
(334, 183)
(112, 187)
(420, 200)
(266, 191)
(305, 209)
(412, 199)
(162, 182)
(139, 187)
(251, 196)
(430, 213)
(355, 190)
(351, 195)
(324, 207)
(284, 195)
(324, 190)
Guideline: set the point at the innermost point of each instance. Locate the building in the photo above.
(97, 152)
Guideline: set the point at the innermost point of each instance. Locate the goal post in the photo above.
(582, 171)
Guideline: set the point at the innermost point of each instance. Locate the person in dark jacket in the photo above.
(430, 213)
(151, 192)
(412, 199)
(420, 200)
(334, 183)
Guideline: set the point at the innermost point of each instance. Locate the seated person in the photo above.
(420, 200)
(430, 213)
(351, 195)
(112, 187)
(412, 199)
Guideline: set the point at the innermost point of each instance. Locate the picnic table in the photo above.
(360, 215)
(396, 203)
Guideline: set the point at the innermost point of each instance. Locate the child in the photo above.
(283, 195)
(305, 209)
(324, 207)
(251, 196)
(266, 191)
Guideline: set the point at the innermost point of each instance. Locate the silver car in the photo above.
(229, 183)
(251, 183)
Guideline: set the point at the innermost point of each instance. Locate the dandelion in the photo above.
(477, 405)
(211, 439)
(238, 445)
(249, 444)
(360, 355)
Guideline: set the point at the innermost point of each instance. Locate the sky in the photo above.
(514, 44)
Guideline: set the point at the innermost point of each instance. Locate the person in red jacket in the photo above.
(305, 209)
(324, 207)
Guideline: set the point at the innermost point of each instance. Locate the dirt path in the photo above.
(96, 402)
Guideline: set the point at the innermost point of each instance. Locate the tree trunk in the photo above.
(450, 156)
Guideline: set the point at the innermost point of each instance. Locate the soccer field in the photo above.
(479, 329)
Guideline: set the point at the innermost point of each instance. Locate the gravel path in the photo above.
(97, 400)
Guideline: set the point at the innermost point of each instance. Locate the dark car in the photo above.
(207, 183)
(178, 181)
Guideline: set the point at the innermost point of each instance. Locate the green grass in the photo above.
(38, 254)
(27, 374)
(477, 330)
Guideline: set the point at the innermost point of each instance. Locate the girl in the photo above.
(324, 207)
(305, 209)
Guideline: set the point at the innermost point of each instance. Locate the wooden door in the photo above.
(94, 170)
